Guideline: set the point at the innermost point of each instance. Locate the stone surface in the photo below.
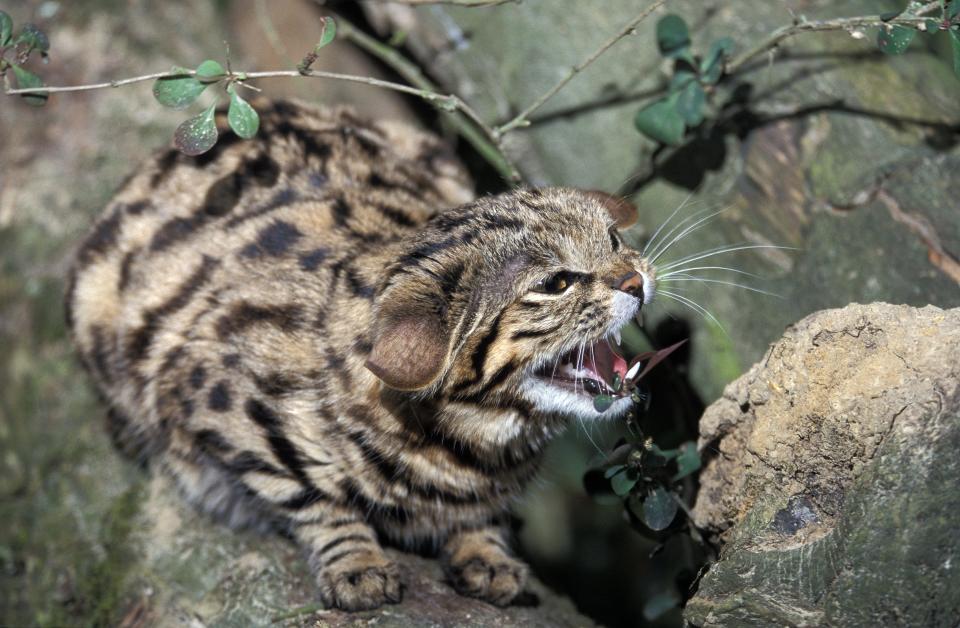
(833, 482)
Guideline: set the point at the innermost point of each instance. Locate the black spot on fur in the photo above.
(280, 199)
(213, 442)
(311, 260)
(143, 337)
(102, 238)
(275, 239)
(198, 376)
(244, 314)
(219, 398)
(231, 360)
(125, 265)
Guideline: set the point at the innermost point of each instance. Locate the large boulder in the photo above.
(833, 481)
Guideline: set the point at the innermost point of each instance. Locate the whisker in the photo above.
(688, 231)
(679, 225)
(728, 250)
(726, 283)
(664, 224)
(694, 306)
(685, 270)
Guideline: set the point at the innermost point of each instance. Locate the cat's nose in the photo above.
(631, 283)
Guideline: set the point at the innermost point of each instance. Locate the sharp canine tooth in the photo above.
(633, 371)
(616, 337)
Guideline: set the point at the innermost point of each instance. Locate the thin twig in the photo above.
(455, 3)
(628, 29)
(467, 121)
(808, 26)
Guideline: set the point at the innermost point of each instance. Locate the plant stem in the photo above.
(467, 122)
(455, 3)
(807, 26)
(628, 29)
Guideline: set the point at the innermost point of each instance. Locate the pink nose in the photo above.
(631, 283)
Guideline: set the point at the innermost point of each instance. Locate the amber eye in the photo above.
(554, 284)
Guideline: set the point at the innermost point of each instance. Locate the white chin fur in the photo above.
(550, 399)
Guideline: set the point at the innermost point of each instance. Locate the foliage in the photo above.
(691, 92)
(16, 50)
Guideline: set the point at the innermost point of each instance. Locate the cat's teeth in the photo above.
(616, 337)
(633, 371)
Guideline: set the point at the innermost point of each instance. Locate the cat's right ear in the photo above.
(411, 344)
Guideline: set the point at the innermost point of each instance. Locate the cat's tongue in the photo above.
(603, 361)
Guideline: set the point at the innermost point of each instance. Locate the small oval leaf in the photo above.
(673, 37)
(659, 509)
(33, 38)
(328, 32)
(242, 117)
(896, 40)
(26, 80)
(688, 461)
(177, 92)
(602, 402)
(690, 104)
(623, 482)
(197, 135)
(661, 122)
(6, 28)
(210, 71)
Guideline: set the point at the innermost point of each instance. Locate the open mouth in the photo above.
(591, 370)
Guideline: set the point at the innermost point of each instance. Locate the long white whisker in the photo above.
(663, 276)
(726, 283)
(678, 226)
(729, 250)
(695, 306)
(664, 224)
(688, 258)
(696, 225)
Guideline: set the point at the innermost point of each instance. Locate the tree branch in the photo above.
(808, 26)
(628, 29)
(455, 3)
(468, 123)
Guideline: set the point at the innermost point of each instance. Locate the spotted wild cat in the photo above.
(321, 329)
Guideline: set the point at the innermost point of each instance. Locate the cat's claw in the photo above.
(359, 583)
(490, 574)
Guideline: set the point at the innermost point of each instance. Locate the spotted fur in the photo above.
(323, 330)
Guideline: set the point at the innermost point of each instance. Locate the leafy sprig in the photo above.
(691, 92)
(16, 50)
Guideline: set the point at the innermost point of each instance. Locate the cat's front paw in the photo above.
(360, 581)
(487, 572)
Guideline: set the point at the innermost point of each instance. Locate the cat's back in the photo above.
(282, 229)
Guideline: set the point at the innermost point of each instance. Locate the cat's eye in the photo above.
(554, 284)
(615, 239)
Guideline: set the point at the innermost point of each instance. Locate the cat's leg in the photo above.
(479, 564)
(351, 568)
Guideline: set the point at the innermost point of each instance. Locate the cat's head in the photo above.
(514, 301)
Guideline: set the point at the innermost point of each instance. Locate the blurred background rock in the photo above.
(848, 155)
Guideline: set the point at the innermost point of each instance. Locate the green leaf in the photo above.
(680, 79)
(197, 135)
(953, 10)
(602, 402)
(955, 44)
(6, 28)
(896, 40)
(242, 117)
(688, 461)
(26, 80)
(622, 483)
(612, 471)
(673, 37)
(659, 509)
(711, 68)
(661, 122)
(690, 104)
(179, 92)
(33, 38)
(933, 27)
(328, 32)
(210, 71)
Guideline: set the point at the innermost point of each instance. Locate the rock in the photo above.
(833, 481)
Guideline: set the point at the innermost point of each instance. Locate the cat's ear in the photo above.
(623, 212)
(411, 344)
